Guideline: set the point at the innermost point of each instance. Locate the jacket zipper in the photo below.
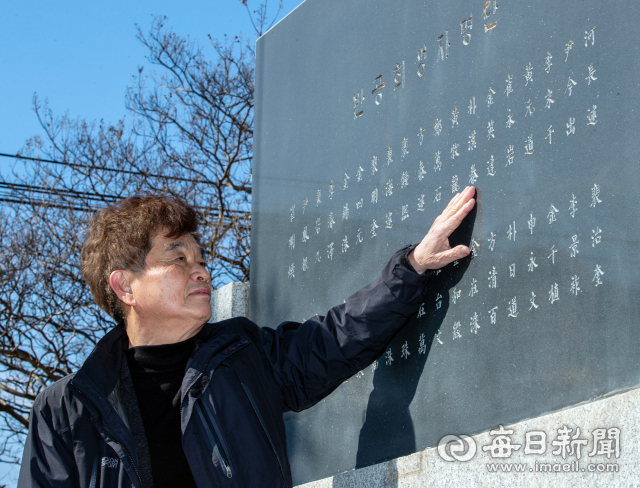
(264, 425)
(216, 437)
(115, 439)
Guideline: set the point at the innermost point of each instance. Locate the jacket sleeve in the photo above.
(312, 359)
(47, 460)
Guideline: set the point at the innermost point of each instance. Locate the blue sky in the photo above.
(81, 55)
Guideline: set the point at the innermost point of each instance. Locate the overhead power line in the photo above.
(102, 168)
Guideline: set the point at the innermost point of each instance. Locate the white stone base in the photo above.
(428, 469)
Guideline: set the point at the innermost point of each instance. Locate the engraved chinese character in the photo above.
(596, 237)
(465, 29)
(438, 194)
(292, 242)
(404, 179)
(359, 203)
(570, 85)
(405, 212)
(374, 366)
(388, 357)
(532, 263)
(374, 226)
(473, 175)
(438, 301)
(455, 295)
(513, 308)
(475, 247)
(511, 233)
(575, 285)
(510, 155)
(528, 145)
(512, 270)
(318, 195)
(318, 258)
(421, 203)
(359, 173)
(438, 338)
(531, 222)
(330, 251)
(528, 74)
(493, 315)
(573, 206)
(595, 193)
(292, 213)
(454, 116)
(305, 202)
(456, 330)
(510, 120)
(305, 264)
(420, 60)
(492, 241)
(345, 212)
(454, 151)
(374, 165)
(389, 154)
(530, 110)
(491, 167)
(331, 220)
(345, 244)
(438, 165)
(377, 91)
(552, 256)
(549, 132)
(291, 271)
(591, 76)
(388, 223)
(474, 323)
(493, 278)
(574, 246)
(509, 88)
(567, 48)
(421, 311)
(597, 273)
(421, 135)
(423, 346)
(552, 214)
(454, 184)
(472, 141)
(345, 181)
(553, 293)
(359, 237)
(374, 196)
(548, 98)
(443, 49)
(437, 127)
(331, 190)
(490, 97)
(474, 287)
(490, 130)
(358, 100)
(501, 446)
(405, 147)
(472, 106)
(421, 171)
(532, 301)
(388, 188)
(305, 234)
(571, 128)
(318, 225)
(489, 9)
(592, 116)
(547, 62)
(590, 36)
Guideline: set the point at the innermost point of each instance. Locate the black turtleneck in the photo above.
(157, 373)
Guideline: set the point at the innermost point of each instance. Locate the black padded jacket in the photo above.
(236, 387)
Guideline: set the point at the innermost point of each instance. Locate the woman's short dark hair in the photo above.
(119, 237)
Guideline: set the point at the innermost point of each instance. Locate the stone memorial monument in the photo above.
(369, 116)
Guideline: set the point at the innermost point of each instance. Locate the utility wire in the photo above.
(103, 168)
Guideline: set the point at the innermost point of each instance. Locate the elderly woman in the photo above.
(169, 400)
